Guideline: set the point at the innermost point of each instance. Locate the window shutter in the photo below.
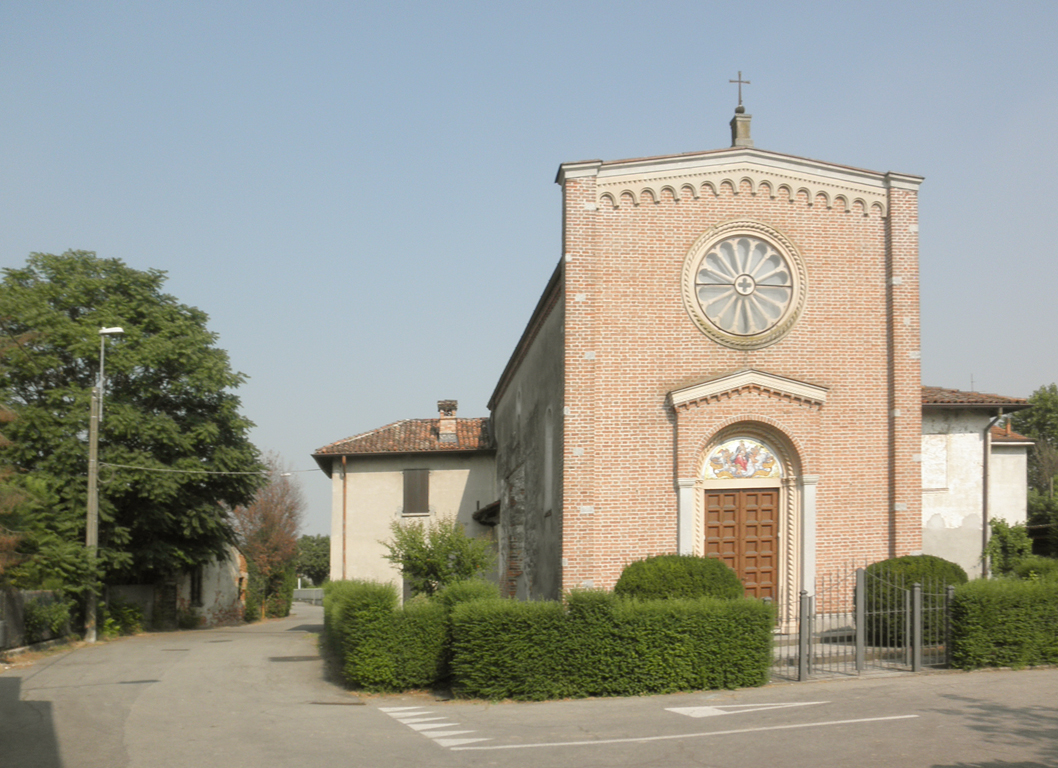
(416, 491)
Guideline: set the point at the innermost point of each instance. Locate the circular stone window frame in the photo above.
(773, 237)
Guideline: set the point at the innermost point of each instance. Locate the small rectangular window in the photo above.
(416, 491)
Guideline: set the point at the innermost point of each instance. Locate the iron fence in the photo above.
(861, 622)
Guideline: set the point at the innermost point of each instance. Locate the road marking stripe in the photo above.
(687, 735)
(457, 742)
(431, 726)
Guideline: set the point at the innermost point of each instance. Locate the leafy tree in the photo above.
(267, 531)
(314, 558)
(173, 446)
(437, 553)
(1040, 422)
(1007, 546)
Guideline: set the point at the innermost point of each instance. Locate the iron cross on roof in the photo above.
(740, 82)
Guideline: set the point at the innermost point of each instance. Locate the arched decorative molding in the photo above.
(647, 195)
(671, 190)
(844, 201)
(691, 191)
(628, 198)
(763, 428)
(608, 199)
(758, 178)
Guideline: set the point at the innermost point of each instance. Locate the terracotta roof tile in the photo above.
(1001, 435)
(413, 436)
(942, 396)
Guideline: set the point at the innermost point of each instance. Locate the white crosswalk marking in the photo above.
(437, 727)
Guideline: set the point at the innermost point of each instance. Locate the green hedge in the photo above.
(604, 645)
(1037, 567)
(886, 582)
(679, 576)
(384, 647)
(1004, 623)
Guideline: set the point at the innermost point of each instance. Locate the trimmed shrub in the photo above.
(467, 590)
(887, 582)
(384, 647)
(678, 576)
(507, 649)
(1004, 623)
(604, 645)
(1037, 568)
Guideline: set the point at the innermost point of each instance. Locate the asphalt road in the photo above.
(256, 696)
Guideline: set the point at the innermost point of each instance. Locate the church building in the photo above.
(725, 362)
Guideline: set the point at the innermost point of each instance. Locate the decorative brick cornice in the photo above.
(778, 176)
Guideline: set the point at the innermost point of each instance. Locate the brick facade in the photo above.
(628, 343)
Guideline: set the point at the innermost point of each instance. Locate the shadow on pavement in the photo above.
(27, 729)
(1033, 729)
(306, 628)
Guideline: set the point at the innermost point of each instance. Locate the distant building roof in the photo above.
(413, 436)
(956, 398)
(1005, 434)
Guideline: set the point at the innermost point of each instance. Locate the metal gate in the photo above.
(861, 622)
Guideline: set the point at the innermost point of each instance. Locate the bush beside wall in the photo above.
(383, 647)
(598, 645)
(1004, 623)
(607, 646)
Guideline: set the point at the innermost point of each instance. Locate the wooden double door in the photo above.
(741, 528)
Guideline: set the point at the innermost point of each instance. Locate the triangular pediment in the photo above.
(748, 380)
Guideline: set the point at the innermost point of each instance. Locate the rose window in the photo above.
(742, 286)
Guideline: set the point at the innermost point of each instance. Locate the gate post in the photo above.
(949, 597)
(916, 627)
(804, 637)
(861, 617)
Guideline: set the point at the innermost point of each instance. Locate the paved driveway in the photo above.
(255, 696)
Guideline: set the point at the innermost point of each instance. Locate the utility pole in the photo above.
(92, 526)
(92, 523)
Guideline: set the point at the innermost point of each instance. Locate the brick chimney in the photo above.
(446, 423)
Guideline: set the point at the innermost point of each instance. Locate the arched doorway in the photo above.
(749, 509)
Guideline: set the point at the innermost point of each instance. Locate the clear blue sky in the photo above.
(361, 195)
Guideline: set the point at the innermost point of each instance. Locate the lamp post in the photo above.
(92, 525)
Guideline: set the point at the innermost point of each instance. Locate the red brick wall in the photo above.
(857, 336)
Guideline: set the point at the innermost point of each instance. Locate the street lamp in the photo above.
(92, 526)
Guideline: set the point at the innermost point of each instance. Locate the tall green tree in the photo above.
(174, 449)
(1040, 422)
(314, 558)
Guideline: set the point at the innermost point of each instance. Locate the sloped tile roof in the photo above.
(1001, 435)
(956, 397)
(413, 436)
